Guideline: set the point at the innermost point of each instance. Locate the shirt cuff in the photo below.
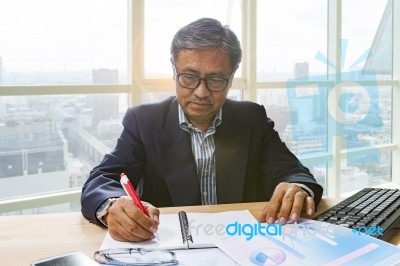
(306, 189)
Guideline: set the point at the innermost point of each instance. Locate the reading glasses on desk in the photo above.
(135, 257)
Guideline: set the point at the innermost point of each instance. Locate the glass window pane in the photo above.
(300, 120)
(367, 30)
(370, 169)
(235, 94)
(366, 119)
(151, 97)
(289, 35)
(62, 42)
(51, 142)
(159, 32)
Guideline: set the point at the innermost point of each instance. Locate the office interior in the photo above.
(326, 71)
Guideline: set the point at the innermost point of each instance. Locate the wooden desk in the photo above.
(26, 238)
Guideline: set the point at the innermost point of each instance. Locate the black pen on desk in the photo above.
(130, 191)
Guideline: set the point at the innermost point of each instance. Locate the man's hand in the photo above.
(286, 204)
(126, 222)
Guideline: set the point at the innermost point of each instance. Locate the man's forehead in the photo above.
(212, 57)
(214, 52)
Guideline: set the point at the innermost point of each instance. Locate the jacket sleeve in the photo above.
(103, 182)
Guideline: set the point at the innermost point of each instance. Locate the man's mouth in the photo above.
(200, 104)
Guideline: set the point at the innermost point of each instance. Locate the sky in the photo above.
(46, 35)
(53, 34)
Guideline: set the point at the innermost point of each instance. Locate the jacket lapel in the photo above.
(231, 153)
(179, 168)
(176, 157)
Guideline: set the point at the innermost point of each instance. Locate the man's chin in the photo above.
(199, 115)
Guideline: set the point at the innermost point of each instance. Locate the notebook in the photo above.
(186, 230)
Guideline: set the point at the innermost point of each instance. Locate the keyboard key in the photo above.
(345, 210)
(353, 212)
(344, 224)
(361, 224)
(365, 211)
(332, 221)
(350, 223)
(374, 213)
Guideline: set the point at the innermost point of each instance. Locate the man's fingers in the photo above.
(123, 233)
(263, 216)
(289, 199)
(126, 222)
(271, 212)
(297, 206)
(154, 213)
(309, 206)
(143, 227)
(287, 202)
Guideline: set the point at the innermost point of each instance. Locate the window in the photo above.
(63, 42)
(70, 69)
(158, 34)
(49, 142)
(289, 35)
(318, 98)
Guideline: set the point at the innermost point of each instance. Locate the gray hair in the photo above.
(205, 33)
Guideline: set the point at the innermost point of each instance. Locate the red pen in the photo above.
(127, 185)
(130, 191)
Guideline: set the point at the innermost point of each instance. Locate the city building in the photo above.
(301, 70)
(103, 106)
(32, 153)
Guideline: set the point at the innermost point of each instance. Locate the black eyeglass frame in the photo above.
(227, 80)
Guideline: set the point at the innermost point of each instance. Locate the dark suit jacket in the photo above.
(156, 155)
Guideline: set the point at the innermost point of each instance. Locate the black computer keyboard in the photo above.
(368, 207)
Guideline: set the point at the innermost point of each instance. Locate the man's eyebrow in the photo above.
(193, 71)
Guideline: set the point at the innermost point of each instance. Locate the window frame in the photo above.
(247, 84)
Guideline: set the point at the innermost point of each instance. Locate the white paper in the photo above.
(302, 244)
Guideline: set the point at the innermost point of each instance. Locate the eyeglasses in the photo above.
(191, 81)
(135, 257)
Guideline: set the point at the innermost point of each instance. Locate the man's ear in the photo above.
(232, 76)
(173, 68)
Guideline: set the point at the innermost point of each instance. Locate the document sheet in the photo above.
(241, 240)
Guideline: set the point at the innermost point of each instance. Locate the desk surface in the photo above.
(26, 238)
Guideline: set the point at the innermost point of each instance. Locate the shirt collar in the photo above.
(185, 124)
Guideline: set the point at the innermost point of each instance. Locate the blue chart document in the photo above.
(307, 242)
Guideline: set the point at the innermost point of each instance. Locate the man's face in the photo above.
(200, 104)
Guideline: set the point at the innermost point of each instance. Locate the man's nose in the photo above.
(201, 91)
